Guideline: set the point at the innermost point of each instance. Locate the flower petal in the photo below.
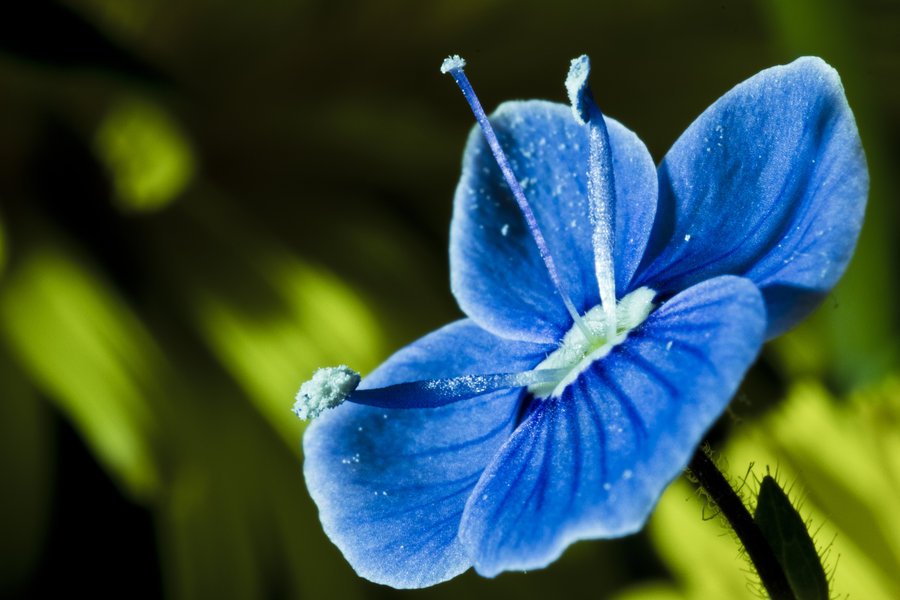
(497, 274)
(593, 462)
(770, 183)
(391, 484)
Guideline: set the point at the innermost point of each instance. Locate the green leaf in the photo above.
(786, 533)
(270, 317)
(839, 456)
(690, 541)
(651, 591)
(236, 520)
(149, 157)
(314, 320)
(26, 470)
(82, 346)
(844, 458)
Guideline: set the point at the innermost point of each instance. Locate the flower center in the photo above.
(577, 351)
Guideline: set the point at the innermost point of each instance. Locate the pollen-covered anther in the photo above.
(452, 62)
(328, 388)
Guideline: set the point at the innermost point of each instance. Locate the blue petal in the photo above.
(770, 183)
(391, 484)
(594, 462)
(497, 275)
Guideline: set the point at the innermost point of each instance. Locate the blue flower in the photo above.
(613, 308)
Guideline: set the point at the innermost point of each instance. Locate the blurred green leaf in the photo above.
(657, 591)
(786, 533)
(26, 470)
(316, 321)
(841, 460)
(837, 451)
(237, 521)
(208, 535)
(2, 249)
(150, 159)
(694, 544)
(82, 346)
(121, 16)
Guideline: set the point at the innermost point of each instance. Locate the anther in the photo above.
(329, 387)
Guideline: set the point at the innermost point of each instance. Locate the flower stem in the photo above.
(767, 566)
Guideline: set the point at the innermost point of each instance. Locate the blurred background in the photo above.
(201, 202)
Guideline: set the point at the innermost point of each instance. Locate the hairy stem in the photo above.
(767, 566)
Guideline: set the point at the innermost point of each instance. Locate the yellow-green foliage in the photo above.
(839, 462)
(150, 160)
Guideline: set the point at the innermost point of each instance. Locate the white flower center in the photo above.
(576, 352)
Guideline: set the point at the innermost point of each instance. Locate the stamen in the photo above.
(432, 393)
(319, 394)
(601, 184)
(454, 65)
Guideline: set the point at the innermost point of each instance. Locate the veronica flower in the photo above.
(612, 310)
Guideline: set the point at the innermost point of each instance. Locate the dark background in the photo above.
(200, 202)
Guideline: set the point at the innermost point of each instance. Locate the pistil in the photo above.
(331, 386)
